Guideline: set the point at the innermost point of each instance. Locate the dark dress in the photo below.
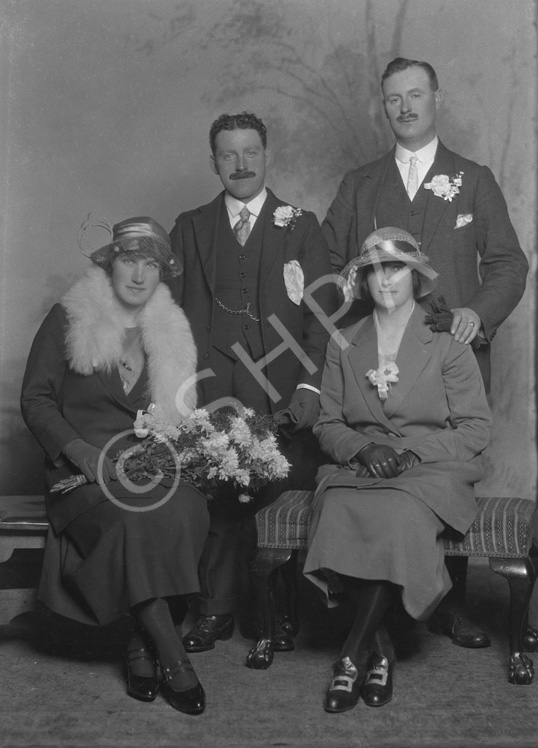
(104, 554)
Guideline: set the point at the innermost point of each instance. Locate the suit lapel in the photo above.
(363, 356)
(273, 239)
(435, 206)
(205, 226)
(413, 356)
(367, 203)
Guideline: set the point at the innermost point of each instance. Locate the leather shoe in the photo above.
(190, 701)
(283, 638)
(141, 687)
(377, 686)
(453, 623)
(343, 692)
(206, 631)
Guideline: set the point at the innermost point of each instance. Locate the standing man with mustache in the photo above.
(455, 210)
(248, 261)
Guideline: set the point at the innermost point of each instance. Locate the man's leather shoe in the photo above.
(206, 631)
(141, 687)
(458, 627)
(343, 692)
(377, 687)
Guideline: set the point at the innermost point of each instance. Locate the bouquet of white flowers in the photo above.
(207, 448)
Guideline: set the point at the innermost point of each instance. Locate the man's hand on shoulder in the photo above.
(465, 325)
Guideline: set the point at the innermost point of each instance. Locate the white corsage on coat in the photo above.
(294, 281)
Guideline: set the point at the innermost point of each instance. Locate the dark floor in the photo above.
(66, 688)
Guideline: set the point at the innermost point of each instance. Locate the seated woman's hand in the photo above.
(380, 460)
(408, 459)
(86, 458)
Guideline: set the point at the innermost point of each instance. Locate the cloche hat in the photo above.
(388, 244)
(141, 235)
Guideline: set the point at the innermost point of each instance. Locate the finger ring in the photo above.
(472, 324)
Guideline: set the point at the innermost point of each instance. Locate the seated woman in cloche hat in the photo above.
(404, 421)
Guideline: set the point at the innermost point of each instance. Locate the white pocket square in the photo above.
(463, 219)
(294, 280)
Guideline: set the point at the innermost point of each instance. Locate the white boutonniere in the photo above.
(444, 186)
(383, 377)
(286, 215)
(294, 281)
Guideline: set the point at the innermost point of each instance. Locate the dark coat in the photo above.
(491, 288)
(195, 242)
(59, 405)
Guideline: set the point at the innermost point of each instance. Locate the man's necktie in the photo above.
(242, 227)
(412, 178)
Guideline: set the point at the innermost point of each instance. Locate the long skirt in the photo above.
(387, 535)
(112, 557)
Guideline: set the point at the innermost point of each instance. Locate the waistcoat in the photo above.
(394, 208)
(238, 272)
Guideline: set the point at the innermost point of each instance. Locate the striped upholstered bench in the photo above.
(23, 530)
(504, 532)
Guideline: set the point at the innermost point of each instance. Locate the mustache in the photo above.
(243, 175)
(407, 117)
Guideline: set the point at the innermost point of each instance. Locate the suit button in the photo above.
(206, 355)
(246, 327)
(242, 257)
(244, 290)
(208, 328)
(243, 275)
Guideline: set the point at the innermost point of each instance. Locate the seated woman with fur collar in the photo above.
(115, 343)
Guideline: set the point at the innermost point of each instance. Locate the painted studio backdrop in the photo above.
(106, 106)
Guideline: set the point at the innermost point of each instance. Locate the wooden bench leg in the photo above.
(521, 574)
(288, 624)
(263, 571)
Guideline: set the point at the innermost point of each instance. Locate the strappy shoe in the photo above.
(377, 687)
(141, 687)
(191, 701)
(343, 692)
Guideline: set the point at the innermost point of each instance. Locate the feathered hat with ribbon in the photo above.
(140, 235)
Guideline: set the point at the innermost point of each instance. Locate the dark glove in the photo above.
(408, 460)
(382, 461)
(86, 458)
(301, 413)
(440, 319)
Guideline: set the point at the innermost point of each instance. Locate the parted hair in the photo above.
(399, 64)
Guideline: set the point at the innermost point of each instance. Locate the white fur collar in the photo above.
(95, 337)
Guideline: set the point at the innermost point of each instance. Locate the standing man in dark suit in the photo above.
(455, 210)
(249, 263)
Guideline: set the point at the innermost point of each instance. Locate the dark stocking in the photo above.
(137, 641)
(371, 601)
(382, 643)
(154, 615)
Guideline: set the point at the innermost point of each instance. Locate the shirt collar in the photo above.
(423, 154)
(235, 206)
